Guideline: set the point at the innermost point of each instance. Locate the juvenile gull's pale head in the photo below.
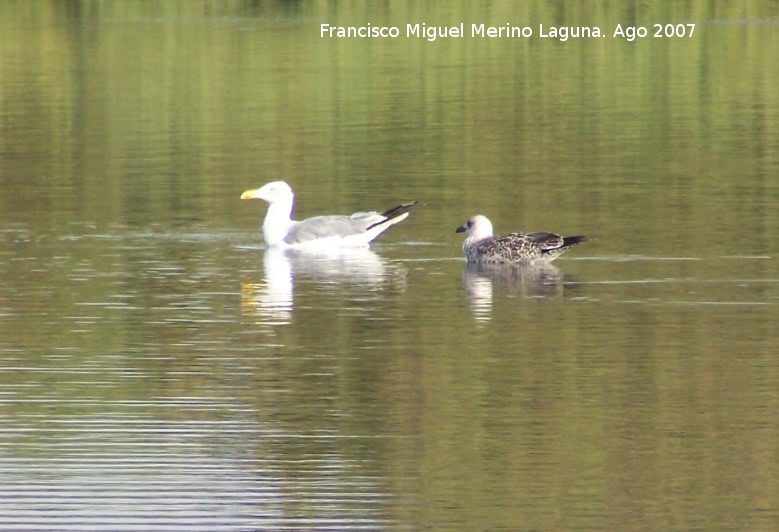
(477, 228)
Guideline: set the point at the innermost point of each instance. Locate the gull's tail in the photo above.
(395, 214)
(571, 241)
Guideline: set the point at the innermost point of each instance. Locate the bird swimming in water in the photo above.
(332, 231)
(514, 248)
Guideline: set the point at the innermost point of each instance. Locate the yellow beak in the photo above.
(249, 194)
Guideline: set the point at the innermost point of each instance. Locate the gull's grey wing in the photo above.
(358, 223)
(331, 226)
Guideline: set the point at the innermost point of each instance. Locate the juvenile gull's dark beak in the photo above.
(461, 229)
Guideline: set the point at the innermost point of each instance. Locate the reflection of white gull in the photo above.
(356, 265)
(357, 230)
(531, 281)
(273, 299)
(481, 246)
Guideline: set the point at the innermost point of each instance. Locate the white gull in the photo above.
(514, 248)
(333, 231)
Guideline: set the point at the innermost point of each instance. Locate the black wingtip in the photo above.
(573, 240)
(401, 209)
(394, 212)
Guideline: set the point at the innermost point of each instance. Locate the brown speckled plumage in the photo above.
(514, 248)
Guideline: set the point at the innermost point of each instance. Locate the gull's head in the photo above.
(271, 192)
(477, 227)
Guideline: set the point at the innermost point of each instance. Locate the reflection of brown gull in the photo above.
(514, 248)
(529, 281)
(273, 298)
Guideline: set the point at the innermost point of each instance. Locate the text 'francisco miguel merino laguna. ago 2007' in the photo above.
(431, 33)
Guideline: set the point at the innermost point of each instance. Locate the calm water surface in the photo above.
(161, 370)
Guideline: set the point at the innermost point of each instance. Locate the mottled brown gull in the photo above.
(332, 231)
(514, 248)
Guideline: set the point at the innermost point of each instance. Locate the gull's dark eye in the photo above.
(470, 224)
